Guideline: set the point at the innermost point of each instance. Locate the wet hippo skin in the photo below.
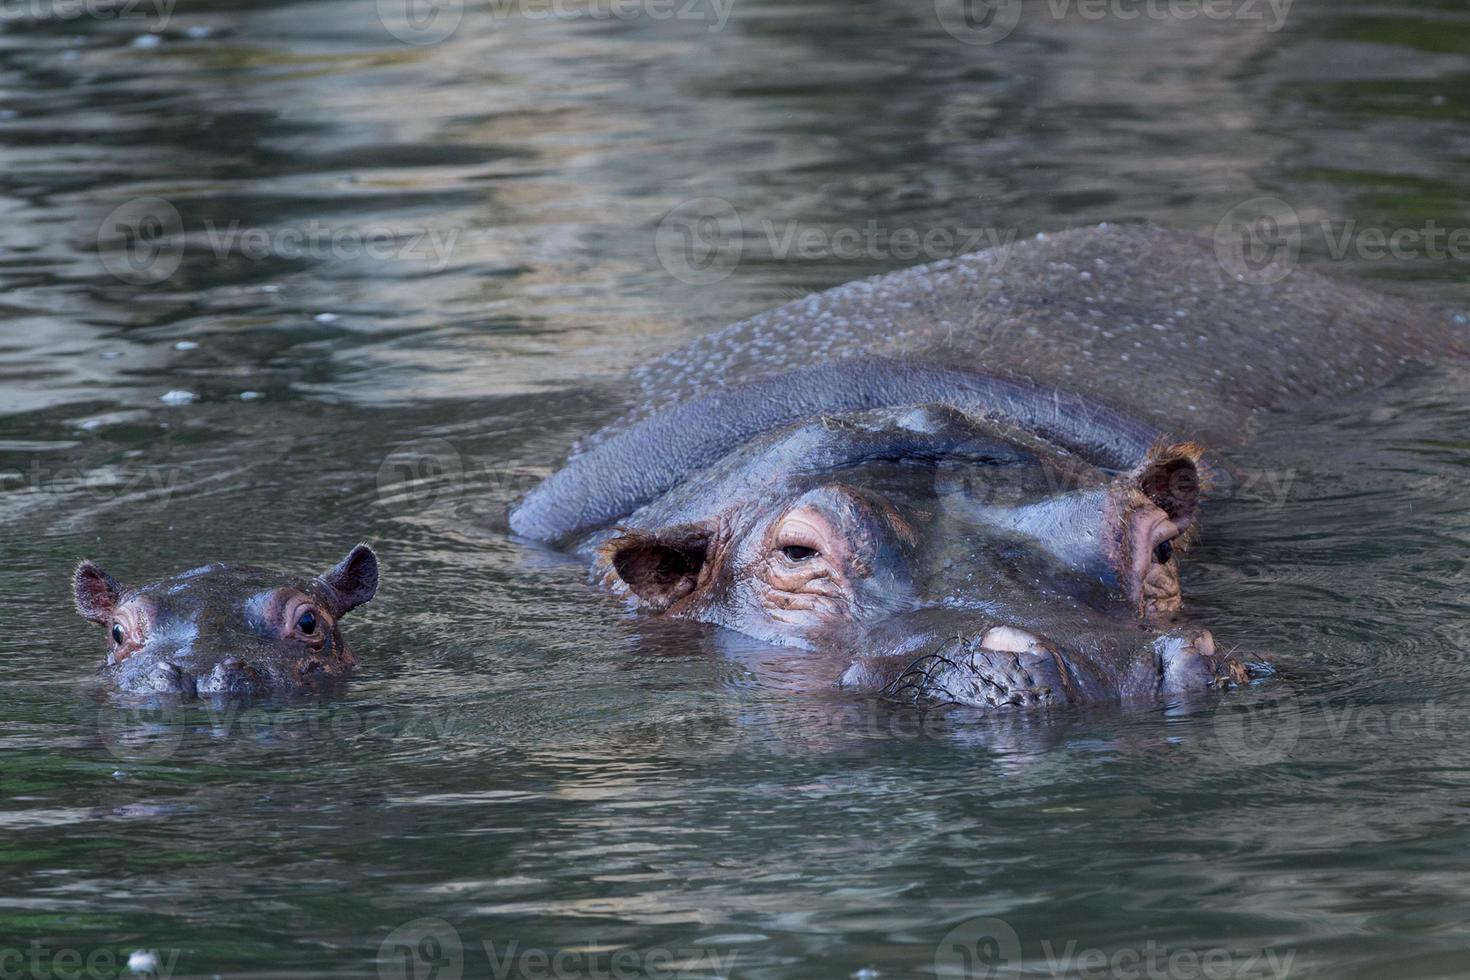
(226, 630)
(973, 479)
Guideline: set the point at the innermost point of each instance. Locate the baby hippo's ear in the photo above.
(96, 592)
(354, 580)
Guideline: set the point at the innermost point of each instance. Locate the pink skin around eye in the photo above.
(133, 618)
(807, 528)
(287, 608)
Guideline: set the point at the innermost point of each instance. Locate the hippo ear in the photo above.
(1172, 479)
(96, 592)
(660, 567)
(354, 580)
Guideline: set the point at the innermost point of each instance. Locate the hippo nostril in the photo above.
(231, 676)
(168, 678)
(1163, 552)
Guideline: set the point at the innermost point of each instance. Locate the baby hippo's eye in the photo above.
(307, 622)
(797, 552)
(117, 634)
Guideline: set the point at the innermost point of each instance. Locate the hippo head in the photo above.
(226, 630)
(953, 557)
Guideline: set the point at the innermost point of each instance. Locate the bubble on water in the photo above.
(147, 41)
(325, 318)
(187, 345)
(178, 396)
(250, 396)
(143, 961)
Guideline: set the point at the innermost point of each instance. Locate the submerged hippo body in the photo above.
(227, 630)
(973, 478)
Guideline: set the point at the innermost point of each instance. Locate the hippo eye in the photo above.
(1164, 552)
(117, 634)
(797, 552)
(307, 622)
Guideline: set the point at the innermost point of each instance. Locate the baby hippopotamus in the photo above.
(227, 630)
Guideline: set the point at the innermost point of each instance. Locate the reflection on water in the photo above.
(376, 288)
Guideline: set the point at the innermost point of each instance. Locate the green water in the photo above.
(433, 262)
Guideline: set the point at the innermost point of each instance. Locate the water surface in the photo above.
(521, 764)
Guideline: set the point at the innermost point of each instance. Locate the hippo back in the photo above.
(1101, 340)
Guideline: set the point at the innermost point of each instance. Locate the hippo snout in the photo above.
(1189, 660)
(232, 676)
(987, 667)
(990, 666)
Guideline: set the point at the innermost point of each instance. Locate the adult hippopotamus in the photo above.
(227, 630)
(975, 479)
